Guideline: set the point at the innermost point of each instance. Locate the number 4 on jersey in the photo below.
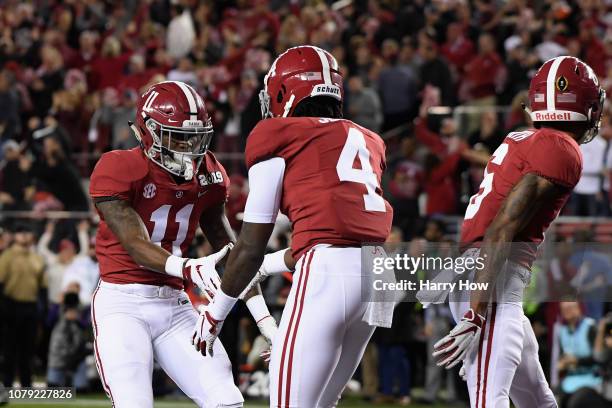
(355, 146)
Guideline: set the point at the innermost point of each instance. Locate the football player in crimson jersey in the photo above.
(324, 173)
(526, 184)
(151, 200)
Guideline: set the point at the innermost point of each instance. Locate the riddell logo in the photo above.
(552, 116)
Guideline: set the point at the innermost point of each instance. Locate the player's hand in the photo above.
(206, 331)
(202, 272)
(268, 328)
(452, 349)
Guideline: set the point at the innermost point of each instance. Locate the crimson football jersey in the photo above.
(170, 211)
(546, 152)
(331, 186)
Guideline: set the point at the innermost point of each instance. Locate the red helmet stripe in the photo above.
(550, 83)
(324, 65)
(193, 107)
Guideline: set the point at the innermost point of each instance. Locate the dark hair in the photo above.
(577, 128)
(319, 107)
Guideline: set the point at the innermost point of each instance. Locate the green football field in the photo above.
(100, 401)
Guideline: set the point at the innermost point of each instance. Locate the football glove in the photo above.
(206, 331)
(202, 272)
(452, 349)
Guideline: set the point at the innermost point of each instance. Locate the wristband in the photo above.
(174, 266)
(221, 305)
(258, 308)
(275, 263)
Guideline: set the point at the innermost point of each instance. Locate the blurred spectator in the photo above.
(364, 107)
(23, 284)
(484, 74)
(109, 123)
(406, 184)
(59, 177)
(594, 272)
(434, 70)
(397, 86)
(489, 133)
(10, 121)
(587, 198)
(17, 182)
(575, 338)
(393, 360)
(68, 348)
(57, 264)
(181, 33)
(83, 273)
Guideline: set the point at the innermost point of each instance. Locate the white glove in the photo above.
(453, 348)
(205, 333)
(203, 273)
(268, 328)
(272, 264)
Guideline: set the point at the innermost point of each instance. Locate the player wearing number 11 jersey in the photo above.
(526, 184)
(151, 200)
(324, 173)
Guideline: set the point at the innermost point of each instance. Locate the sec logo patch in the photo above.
(149, 190)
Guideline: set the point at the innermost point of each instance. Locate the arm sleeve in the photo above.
(266, 187)
(43, 246)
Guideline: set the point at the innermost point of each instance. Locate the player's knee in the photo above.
(222, 397)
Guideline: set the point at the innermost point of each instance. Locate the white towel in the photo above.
(379, 311)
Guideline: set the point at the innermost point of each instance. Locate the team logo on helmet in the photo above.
(149, 191)
(562, 83)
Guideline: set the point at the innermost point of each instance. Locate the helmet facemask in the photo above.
(595, 123)
(179, 150)
(264, 103)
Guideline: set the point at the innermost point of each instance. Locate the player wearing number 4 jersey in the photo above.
(526, 183)
(151, 200)
(324, 173)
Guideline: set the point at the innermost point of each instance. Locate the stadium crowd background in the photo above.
(442, 81)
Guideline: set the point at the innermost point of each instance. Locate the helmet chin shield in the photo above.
(179, 150)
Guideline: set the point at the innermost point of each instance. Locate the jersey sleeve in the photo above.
(556, 159)
(113, 176)
(270, 138)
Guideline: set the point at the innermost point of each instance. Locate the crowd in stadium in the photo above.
(442, 81)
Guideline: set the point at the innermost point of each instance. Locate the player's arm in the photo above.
(218, 232)
(247, 256)
(526, 198)
(129, 228)
(519, 207)
(216, 227)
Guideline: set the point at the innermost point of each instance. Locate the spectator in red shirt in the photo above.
(593, 50)
(483, 74)
(458, 49)
(108, 69)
